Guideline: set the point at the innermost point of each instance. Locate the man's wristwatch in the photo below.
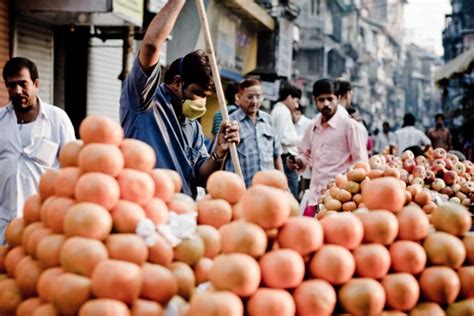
(217, 158)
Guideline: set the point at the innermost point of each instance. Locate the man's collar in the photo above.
(240, 115)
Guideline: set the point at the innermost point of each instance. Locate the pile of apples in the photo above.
(428, 181)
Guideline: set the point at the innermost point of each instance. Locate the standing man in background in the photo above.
(259, 147)
(331, 143)
(409, 135)
(165, 116)
(385, 139)
(288, 101)
(33, 133)
(440, 135)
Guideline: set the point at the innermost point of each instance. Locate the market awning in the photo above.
(252, 12)
(461, 64)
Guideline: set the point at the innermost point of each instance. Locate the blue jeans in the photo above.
(292, 177)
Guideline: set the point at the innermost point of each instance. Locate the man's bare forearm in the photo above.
(157, 32)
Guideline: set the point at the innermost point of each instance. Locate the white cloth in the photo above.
(301, 125)
(285, 129)
(383, 140)
(410, 136)
(21, 168)
(26, 132)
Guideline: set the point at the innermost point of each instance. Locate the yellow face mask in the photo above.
(194, 109)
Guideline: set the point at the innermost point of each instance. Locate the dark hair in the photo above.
(323, 86)
(417, 151)
(386, 124)
(287, 90)
(439, 115)
(351, 110)
(16, 64)
(193, 68)
(230, 91)
(408, 120)
(250, 82)
(342, 87)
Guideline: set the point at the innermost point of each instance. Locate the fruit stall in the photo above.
(107, 234)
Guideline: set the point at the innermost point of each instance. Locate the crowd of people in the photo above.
(310, 151)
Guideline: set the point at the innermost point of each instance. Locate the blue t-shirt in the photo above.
(146, 114)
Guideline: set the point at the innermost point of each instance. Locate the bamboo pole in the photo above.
(217, 80)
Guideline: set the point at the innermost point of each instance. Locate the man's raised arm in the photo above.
(157, 32)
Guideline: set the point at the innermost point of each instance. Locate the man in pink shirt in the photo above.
(331, 144)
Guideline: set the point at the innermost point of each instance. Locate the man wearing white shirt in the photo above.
(409, 135)
(33, 133)
(283, 123)
(385, 139)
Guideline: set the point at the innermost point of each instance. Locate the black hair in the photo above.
(230, 91)
(351, 110)
(287, 90)
(386, 123)
(439, 115)
(324, 86)
(246, 83)
(342, 87)
(16, 64)
(417, 151)
(193, 68)
(409, 120)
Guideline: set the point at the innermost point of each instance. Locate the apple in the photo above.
(438, 162)
(449, 164)
(468, 176)
(438, 184)
(456, 187)
(461, 180)
(452, 157)
(404, 175)
(459, 168)
(448, 191)
(430, 177)
(466, 202)
(450, 177)
(460, 195)
(439, 153)
(467, 187)
(376, 162)
(419, 172)
(418, 181)
(455, 199)
(438, 170)
(409, 165)
(408, 154)
(421, 160)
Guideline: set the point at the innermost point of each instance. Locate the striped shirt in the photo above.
(259, 144)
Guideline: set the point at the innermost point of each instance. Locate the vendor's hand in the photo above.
(294, 163)
(228, 133)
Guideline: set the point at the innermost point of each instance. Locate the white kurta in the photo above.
(21, 167)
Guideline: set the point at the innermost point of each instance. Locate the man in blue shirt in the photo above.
(165, 116)
(260, 147)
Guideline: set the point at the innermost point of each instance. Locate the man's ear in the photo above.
(36, 83)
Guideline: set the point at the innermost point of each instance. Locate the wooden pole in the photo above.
(217, 79)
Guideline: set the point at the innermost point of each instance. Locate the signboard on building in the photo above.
(226, 39)
(285, 48)
(129, 10)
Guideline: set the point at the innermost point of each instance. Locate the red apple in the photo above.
(448, 191)
(439, 153)
(450, 177)
(430, 177)
(421, 160)
(449, 164)
(404, 175)
(419, 172)
(438, 184)
(438, 170)
(438, 162)
(409, 165)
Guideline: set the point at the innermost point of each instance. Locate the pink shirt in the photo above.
(331, 148)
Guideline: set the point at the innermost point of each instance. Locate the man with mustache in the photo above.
(331, 144)
(33, 133)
